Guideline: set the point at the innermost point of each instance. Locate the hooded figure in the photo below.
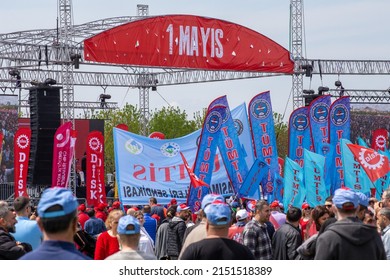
(349, 238)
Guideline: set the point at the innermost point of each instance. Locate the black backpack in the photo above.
(85, 242)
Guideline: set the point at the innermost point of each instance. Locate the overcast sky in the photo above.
(334, 29)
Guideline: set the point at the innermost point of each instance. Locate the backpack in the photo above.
(86, 243)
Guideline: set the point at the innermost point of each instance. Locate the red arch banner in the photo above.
(187, 41)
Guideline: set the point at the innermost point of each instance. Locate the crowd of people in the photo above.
(364, 123)
(349, 225)
(8, 125)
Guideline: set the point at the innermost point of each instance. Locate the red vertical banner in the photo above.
(96, 192)
(62, 156)
(1, 141)
(22, 141)
(281, 165)
(379, 139)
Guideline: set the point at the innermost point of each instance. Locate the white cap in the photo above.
(241, 214)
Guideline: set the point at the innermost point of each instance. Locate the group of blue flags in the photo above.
(319, 159)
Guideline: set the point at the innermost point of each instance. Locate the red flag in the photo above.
(281, 164)
(379, 139)
(22, 141)
(96, 192)
(373, 163)
(62, 156)
(195, 181)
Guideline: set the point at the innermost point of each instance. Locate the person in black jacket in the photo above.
(288, 237)
(349, 238)
(10, 249)
(176, 230)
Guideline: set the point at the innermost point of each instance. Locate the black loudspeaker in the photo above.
(45, 118)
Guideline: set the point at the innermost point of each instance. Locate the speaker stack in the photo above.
(45, 118)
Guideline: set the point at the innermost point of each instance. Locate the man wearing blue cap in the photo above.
(217, 245)
(363, 206)
(129, 234)
(198, 232)
(349, 238)
(57, 219)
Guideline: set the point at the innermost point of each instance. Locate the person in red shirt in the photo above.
(107, 242)
(306, 214)
(235, 231)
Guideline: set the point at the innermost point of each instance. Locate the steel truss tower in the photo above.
(296, 43)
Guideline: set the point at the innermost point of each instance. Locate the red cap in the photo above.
(81, 207)
(101, 206)
(274, 204)
(116, 205)
(156, 217)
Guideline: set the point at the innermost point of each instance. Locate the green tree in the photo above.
(281, 133)
(173, 122)
(129, 115)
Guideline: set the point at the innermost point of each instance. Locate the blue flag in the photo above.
(204, 161)
(294, 189)
(263, 136)
(383, 182)
(279, 187)
(319, 122)
(298, 134)
(316, 192)
(361, 142)
(229, 146)
(250, 187)
(339, 127)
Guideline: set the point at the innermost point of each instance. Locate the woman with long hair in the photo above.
(318, 216)
(107, 242)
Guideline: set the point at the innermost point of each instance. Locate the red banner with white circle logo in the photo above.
(62, 155)
(95, 169)
(373, 163)
(22, 141)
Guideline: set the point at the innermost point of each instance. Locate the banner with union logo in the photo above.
(374, 164)
(339, 127)
(62, 156)
(379, 139)
(263, 135)
(299, 134)
(96, 192)
(148, 167)
(22, 142)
